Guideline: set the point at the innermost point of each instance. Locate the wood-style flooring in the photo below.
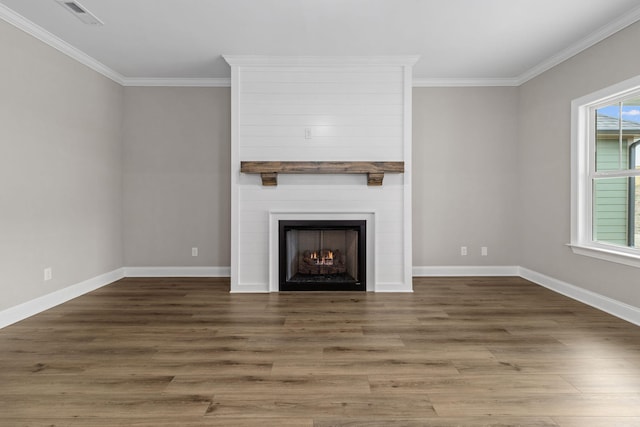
(186, 352)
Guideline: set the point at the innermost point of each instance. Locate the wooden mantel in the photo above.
(269, 170)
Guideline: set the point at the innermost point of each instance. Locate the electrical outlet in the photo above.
(194, 251)
(484, 251)
(48, 274)
(463, 250)
(307, 133)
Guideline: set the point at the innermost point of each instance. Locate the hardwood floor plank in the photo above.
(550, 365)
(598, 383)
(181, 367)
(356, 353)
(268, 385)
(70, 384)
(475, 385)
(204, 352)
(528, 404)
(166, 421)
(99, 406)
(439, 422)
(366, 367)
(598, 421)
(303, 340)
(332, 405)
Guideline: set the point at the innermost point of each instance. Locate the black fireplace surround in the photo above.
(325, 255)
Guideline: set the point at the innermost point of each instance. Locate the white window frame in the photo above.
(583, 172)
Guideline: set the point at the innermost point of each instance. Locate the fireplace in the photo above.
(312, 139)
(322, 255)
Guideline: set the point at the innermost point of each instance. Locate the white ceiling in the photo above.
(473, 41)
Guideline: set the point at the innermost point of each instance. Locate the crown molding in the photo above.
(597, 36)
(464, 82)
(226, 82)
(170, 82)
(280, 61)
(45, 36)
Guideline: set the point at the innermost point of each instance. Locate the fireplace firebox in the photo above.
(322, 255)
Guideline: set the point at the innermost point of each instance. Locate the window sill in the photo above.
(606, 253)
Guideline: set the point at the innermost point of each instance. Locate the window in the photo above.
(606, 174)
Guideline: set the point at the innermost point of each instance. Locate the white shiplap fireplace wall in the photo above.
(320, 109)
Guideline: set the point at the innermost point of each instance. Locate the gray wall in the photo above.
(60, 170)
(545, 158)
(177, 156)
(465, 176)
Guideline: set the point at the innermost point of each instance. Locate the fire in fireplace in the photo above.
(322, 255)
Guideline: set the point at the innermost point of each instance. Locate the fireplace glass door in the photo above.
(322, 255)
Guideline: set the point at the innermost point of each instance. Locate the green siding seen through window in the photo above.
(613, 208)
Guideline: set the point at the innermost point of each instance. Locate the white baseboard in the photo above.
(45, 302)
(390, 287)
(463, 270)
(601, 302)
(177, 271)
(250, 288)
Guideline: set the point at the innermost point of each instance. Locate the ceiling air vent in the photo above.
(80, 12)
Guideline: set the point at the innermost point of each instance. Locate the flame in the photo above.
(322, 258)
